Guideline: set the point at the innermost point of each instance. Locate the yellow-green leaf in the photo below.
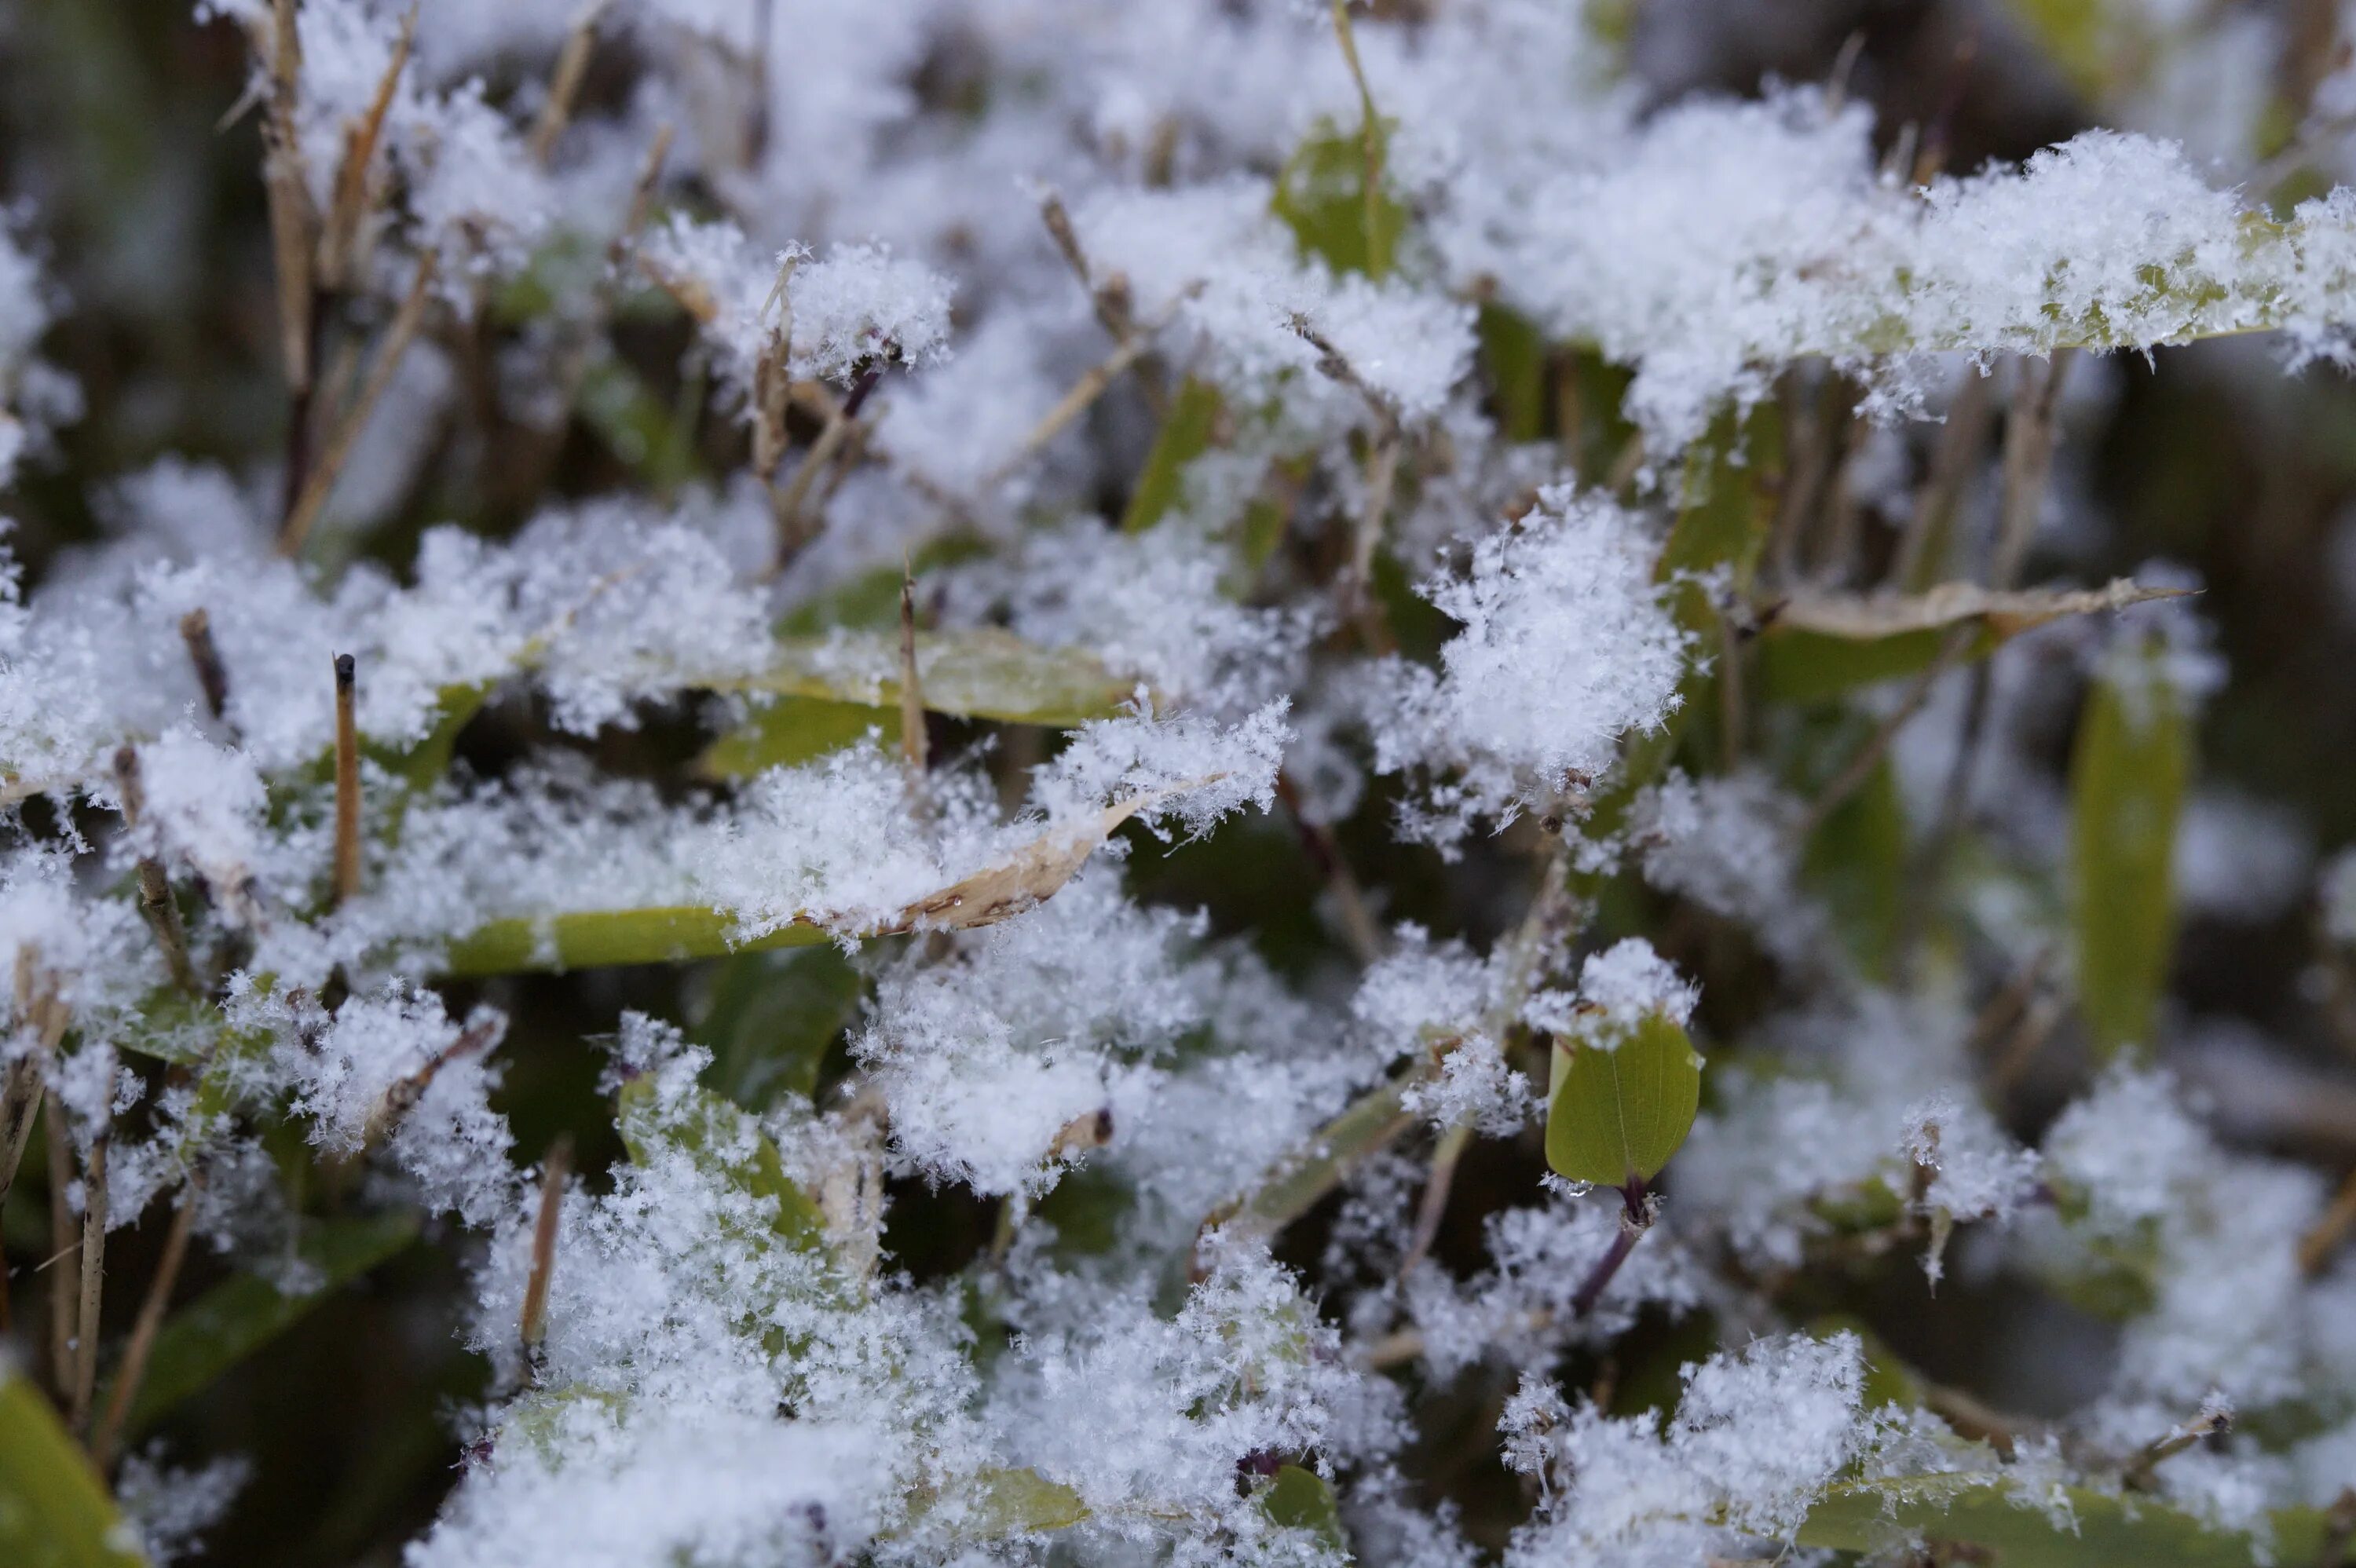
(980, 673)
(2127, 775)
(596, 938)
(1185, 435)
(1817, 645)
(1321, 196)
(1365, 1127)
(1617, 1112)
(54, 1511)
(1514, 356)
(791, 731)
(237, 1316)
(2105, 1532)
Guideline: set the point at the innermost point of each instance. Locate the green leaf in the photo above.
(240, 1314)
(1320, 196)
(598, 938)
(792, 731)
(2127, 777)
(983, 672)
(1514, 356)
(1726, 510)
(1816, 646)
(1856, 862)
(871, 600)
(1185, 435)
(2110, 1532)
(1300, 1499)
(1365, 1127)
(2078, 35)
(770, 1018)
(419, 765)
(54, 1511)
(1619, 1113)
(638, 427)
(727, 1144)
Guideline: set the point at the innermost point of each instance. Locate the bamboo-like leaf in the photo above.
(2128, 772)
(983, 672)
(791, 731)
(1818, 646)
(1726, 511)
(1513, 355)
(237, 1316)
(593, 939)
(54, 1511)
(2106, 1531)
(1365, 1128)
(1185, 435)
(678, 932)
(421, 764)
(1619, 1113)
(770, 1018)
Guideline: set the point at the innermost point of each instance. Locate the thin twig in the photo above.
(1370, 132)
(532, 1326)
(1635, 1218)
(1862, 765)
(913, 738)
(155, 901)
(320, 483)
(564, 82)
(39, 1006)
(292, 223)
(93, 1278)
(1920, 553)
(1115, 311)
(1093, 383)
(2315, 1247)
(2028, 461)
(2137, 1472)
(1366, 938)
(63, 1239)
(1433, 1207)
(347, 207)
(133, 1366)
(400, 1099)
(347, 884)
(212, 676)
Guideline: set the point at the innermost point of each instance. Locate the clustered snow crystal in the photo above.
(731, 1369)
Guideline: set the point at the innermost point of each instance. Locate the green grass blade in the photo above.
(245, 1312)
(54, 1511)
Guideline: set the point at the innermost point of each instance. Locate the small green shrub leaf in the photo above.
(1618, 1112)
(1301, 1498)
